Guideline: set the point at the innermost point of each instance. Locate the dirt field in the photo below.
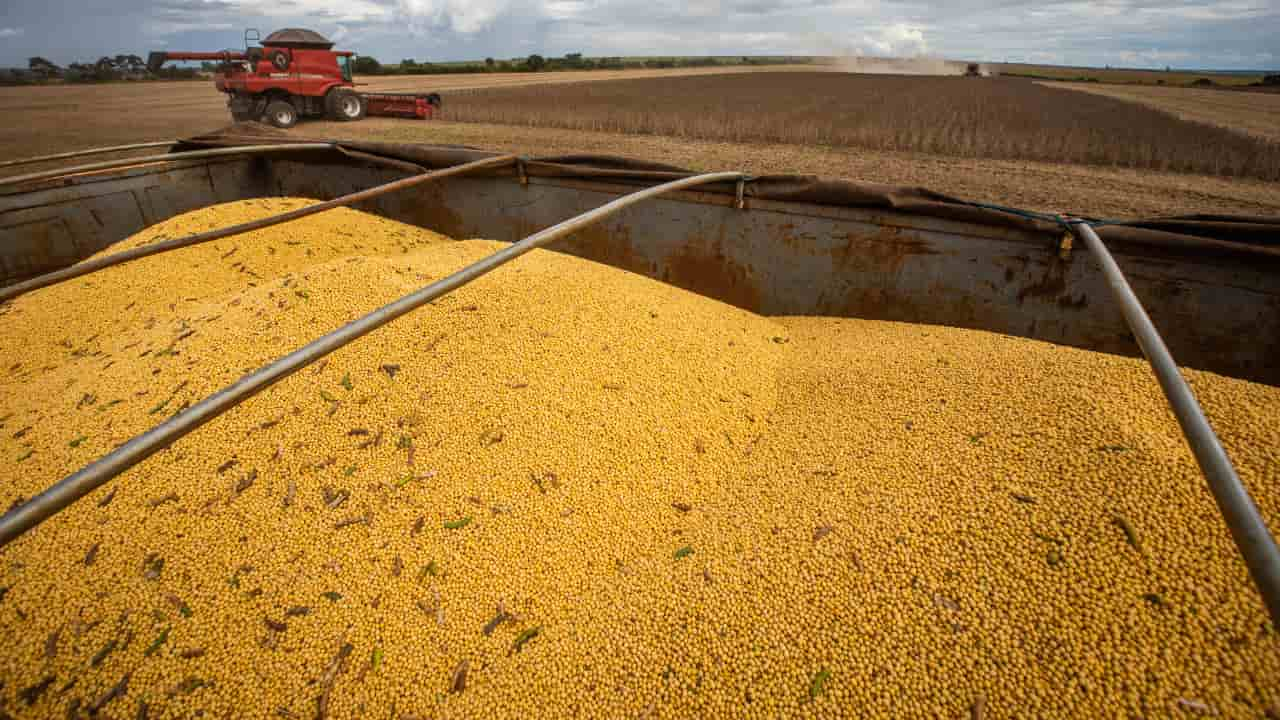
(1001, 118)
(1052, 187)
(1122, 75)
(1257, 114)
(52, 119)
(58, 118)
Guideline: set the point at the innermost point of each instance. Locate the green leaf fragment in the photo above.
(103, 653)
(1130, 532)
(27, 454)
(684, 552)
(346, 382)
(331, 596)
(525, 637)
(185, 611)
(349, 470)
(818, 686)
(159, 641)
(327, 397)
(376, 660)
(77, 441)
(404, 480)
(458, 524)
(429, 569)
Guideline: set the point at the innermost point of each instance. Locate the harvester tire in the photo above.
(282, 114)
(345, 105)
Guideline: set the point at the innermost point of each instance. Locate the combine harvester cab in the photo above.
(774, 245)
(296, 73)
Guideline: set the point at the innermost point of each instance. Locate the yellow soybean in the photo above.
(599, 495)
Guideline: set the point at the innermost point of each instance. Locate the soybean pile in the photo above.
(566, 489)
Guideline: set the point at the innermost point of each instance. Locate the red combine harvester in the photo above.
(295, 73)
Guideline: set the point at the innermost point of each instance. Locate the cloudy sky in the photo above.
(1150, 33)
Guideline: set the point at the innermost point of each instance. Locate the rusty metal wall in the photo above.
(774, 258)
(792, 259)
(54, 227)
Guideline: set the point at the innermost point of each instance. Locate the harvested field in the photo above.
(1256, 114)
(568, 486)
(1048, 187)
(59, 118)
(964, 117)
(1126, 76)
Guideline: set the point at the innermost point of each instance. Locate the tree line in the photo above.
(132, 67)
(107, 69)
(368, 65)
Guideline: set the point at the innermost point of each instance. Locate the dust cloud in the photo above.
(896, 49)
(875, 65)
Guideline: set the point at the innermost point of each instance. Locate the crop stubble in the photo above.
(1256, 114)
(61, 118)
(989, 118)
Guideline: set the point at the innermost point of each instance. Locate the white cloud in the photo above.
(897, 40)
(168, 27)
(331, 10)
(1151, 57)
(1183, 33)
(567, 9)
(466, 17)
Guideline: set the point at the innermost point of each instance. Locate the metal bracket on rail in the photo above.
(740, 194)
(75, 486)
(1248, 529)
(84, 268)
(167, 157)
(1066, 240)
(521, 173)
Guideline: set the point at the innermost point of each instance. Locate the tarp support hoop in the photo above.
(91, 266)
(166, 157)
(1248, 529)
(90, 151)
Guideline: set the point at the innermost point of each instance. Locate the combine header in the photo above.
(295, 73)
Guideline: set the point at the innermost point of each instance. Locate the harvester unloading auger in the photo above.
(295, 73)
